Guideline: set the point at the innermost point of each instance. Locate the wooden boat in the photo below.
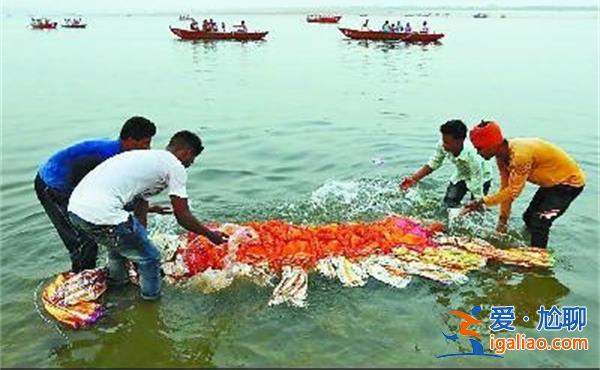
(397, 36)
(372, 35)
(81, 25)
(313, 18)
(202, 35)
(44, 26)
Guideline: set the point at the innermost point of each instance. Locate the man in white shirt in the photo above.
(473, 173)
(99, 206)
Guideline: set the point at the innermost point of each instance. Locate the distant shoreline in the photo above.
(351, 10)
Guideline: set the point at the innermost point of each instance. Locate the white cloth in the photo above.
(101, 196)
(470, 167)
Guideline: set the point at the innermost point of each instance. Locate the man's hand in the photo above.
(217, 237)
(407, 183)
(472, 206)
(157, 208)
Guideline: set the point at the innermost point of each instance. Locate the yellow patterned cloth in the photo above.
(71, 298)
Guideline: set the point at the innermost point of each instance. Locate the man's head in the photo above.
(137, 133)
(186, 146)
(487, 138)
(454, 133)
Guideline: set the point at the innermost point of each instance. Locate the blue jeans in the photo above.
(127, 241)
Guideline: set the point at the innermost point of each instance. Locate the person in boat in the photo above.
(223, 27)
(58, 176)
(194, 25)
(365, 26)
(386, 26)
(408, 28)
(399, 27)
(205, 25)
(211, 25)
(424, 27)
(393, 27)
(472, 174)
(98, 207)
(558, 175)
(242, 27)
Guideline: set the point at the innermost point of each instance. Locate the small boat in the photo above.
(73, 23)
(44, 25)
(314, 18)
(372, 35)
(415, 37)
(80, 25)
(480, 15)
(202, 35)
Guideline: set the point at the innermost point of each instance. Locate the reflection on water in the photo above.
(526, 290)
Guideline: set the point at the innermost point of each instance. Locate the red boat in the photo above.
(323, 18)
(424, 38)
(372, 35)
(201, 35)
(380, 35)
(44, 26)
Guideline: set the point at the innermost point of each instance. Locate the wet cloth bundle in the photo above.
(280, 254)
(71, 298)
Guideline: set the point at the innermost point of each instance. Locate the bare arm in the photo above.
(188, 221)
(416, 177)
(140, 211)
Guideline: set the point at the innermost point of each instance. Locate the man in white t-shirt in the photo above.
(99, 206)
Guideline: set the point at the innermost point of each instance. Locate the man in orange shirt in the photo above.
(535, 160)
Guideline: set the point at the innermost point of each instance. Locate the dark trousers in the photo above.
(547, 205)
(456, 192)
(82, 249)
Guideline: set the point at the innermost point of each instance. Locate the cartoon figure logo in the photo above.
(468, 320)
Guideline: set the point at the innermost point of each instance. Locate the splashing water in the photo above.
(364, 199)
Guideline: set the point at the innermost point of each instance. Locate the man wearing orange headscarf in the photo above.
(519, 160)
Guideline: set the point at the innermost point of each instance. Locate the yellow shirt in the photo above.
(537, 161)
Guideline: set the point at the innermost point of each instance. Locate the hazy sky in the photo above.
(181, 5)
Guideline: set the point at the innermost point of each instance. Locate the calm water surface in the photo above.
(296, 127)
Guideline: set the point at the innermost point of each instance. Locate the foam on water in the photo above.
(362, 200)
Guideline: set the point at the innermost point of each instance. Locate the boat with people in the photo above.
(73, 23)
(413, 37)
(212, 35)
(42, 24)
(319, 18)
(480, 15)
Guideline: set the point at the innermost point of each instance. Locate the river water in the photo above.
(309, 127)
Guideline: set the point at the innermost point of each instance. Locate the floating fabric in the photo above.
(391, 251)
(70, 298)
(525, 257)
(292, 288)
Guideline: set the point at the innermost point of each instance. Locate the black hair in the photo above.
(484, 123)
(137, 128)
(455, 128)
(188, 140)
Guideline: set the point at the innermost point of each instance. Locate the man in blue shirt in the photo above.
(59, 175)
